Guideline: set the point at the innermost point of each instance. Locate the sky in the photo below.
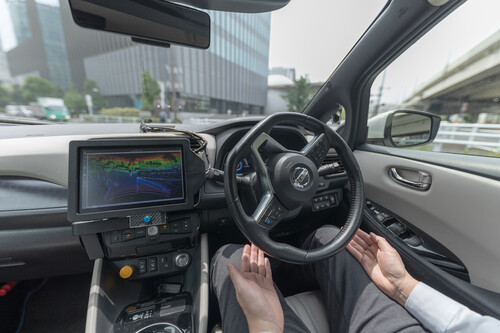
(315, 39)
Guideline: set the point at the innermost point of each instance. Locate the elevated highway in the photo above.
(471, 84)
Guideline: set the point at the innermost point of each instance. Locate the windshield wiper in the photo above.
(18, 121)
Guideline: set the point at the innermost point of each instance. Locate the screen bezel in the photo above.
(75, 213)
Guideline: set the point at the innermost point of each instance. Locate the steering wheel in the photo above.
(289, 179)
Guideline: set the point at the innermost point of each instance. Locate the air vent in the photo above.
(194, 144)
(332, 159)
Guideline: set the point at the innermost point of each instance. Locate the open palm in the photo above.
(255, 291)
(382, 263)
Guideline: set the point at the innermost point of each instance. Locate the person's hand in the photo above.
(383, 265)
(255, 291)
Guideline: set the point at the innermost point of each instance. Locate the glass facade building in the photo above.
(54, 43)
(19, 15)
(230, 75)
(40, 47)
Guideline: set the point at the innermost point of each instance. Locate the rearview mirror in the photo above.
(403, 128)
(148, 21)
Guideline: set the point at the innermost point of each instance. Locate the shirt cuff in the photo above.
(431, 308)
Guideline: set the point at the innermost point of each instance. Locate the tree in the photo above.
(150, 91)
(58, 91)
(4, 97)
(90, 87)
(298, 95)
(468, 118)
(16, 94)
(35, 87)
(74, 100)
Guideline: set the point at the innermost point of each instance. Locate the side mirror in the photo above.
(403, 128)
(154, 22)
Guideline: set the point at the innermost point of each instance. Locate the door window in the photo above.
(453, 72)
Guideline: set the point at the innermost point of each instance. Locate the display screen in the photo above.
(129, 178)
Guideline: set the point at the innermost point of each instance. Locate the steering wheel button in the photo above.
(332, 199)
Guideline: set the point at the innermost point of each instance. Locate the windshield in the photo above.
(55, 108)
(257, 64)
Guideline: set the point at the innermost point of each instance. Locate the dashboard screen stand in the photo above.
(117, 179)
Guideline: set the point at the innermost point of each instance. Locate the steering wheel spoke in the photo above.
(259, 164)
(265, 142)
(317, 149)
(269, 212)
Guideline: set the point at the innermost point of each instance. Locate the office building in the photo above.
(20, 21)
(40, 48)
(5, 78)
(230, 75)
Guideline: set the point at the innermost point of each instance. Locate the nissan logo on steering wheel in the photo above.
(300, 177)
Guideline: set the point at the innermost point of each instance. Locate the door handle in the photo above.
(423, 182)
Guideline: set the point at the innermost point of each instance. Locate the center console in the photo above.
(132, 203)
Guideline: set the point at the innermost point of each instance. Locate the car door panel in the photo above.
(421, 243)
(477, 299)
(460, 210)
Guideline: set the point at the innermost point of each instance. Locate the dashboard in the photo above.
(153, 224)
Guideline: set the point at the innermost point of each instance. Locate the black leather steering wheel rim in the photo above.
(255, 230)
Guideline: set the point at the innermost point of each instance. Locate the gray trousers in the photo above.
(354, 303)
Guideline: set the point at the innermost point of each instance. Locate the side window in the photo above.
(452, 73)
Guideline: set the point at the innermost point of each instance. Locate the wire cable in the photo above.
(25, 304)
(147, 128)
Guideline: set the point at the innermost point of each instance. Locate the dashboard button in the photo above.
(164, 229)
(182, 260)
(147, 219)
(116, 236)
(165, 262)
(126, 272)
(140, 232)
(128, 234)
(153, 233)
(142, 266)
(152, 264)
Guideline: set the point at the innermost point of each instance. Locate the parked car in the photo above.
(18, 111)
